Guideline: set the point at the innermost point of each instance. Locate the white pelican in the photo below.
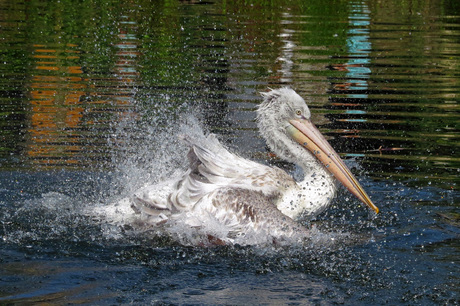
(231, 198)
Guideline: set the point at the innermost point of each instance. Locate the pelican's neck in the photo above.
(314, 193)
(310, 196)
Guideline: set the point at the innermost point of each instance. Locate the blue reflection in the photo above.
(359, 47)
(355, 112)
(354, 155)
(356, 120)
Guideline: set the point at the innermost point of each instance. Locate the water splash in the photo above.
(150, 161)
(145, 155)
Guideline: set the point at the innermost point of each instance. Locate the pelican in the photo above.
(231, 198)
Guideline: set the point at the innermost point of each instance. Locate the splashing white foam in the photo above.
(149, 167)
(150, 159)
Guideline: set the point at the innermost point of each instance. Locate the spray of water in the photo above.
(152, 159)
(147, 157)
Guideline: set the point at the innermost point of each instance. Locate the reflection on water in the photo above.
(359, 47)
(66, 105)
(36, 282)
(56, 81)
(94, 85)
(385, 84)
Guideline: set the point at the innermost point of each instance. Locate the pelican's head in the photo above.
(273, 115)
(284, 120)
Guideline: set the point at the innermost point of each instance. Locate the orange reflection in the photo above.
(63, 101)
(55, 100)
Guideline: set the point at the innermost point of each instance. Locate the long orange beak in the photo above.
(305, 133)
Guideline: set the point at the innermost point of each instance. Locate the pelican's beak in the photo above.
(305, 133)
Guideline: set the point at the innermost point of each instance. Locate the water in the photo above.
(93, 94)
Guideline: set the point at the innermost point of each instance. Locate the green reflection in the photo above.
(384, 75)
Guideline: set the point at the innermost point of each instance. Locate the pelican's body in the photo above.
(232, 198)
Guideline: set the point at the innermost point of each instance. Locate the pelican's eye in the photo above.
(298, 112)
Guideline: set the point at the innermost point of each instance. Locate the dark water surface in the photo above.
(92, 94)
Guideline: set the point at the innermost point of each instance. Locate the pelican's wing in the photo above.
(224, 168)
(245, 216)
(212, 167)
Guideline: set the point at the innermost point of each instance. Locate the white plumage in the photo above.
(234, 199)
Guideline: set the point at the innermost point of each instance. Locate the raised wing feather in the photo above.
(212, 167)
